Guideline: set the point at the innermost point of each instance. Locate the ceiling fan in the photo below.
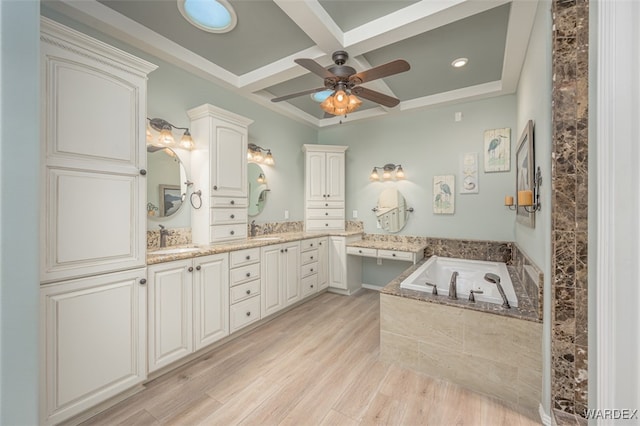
(345, 82)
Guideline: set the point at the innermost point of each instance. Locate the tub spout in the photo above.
(453, 293)
(435, 289)
(495, 279)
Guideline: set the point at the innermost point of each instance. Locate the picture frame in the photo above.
(170, 199)
(468, 175)
(444, 194)
(497, 150)
(525, 173)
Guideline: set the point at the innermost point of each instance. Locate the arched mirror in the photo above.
(166, 182)
(258, 188)
(392, 211)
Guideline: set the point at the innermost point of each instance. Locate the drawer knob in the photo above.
(359, 251)
(248, 291)
(326, 214)
(215, 187)
(394, 255)
(326, 224)
(248, 257)
(311, 269)
(233, 216)
(248, 274)
(311, 257)
(326, 204)
(233, 202)
(311, 244)
(248, 314)
(143, 172)
(286, 250)
(232, 232)
(143, 281)
(190, 269)
(198, 267)
(311, 285)
(281, 250)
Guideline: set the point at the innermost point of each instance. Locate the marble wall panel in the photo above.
(176, 237)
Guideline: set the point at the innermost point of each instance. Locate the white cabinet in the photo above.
(219, 170)
(313, 265)
(188, 307)
(323, 263)
(324, 187)
(92, 341)
(245, 288)
(93, 139)
(280, 276)
(345, 272)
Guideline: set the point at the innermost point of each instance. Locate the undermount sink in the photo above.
(177, 250)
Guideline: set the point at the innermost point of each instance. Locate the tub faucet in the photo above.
(435, 288)
(164, 232)
(495, 279)
(254, 228)
(453, 292)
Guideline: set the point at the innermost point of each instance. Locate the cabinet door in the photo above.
(337, 263)
(315, 176)
(92, 341)
(323, 263)
(170, 312)
(229, 160)
(272, 292)
(335, 176)
(211, 299)
(291, 273)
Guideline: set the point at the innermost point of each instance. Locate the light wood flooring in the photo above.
(315, 365)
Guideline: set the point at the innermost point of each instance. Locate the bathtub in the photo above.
(438, 270)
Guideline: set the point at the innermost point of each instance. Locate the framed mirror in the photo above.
(166, 182)
(258, 189)
(391, 210)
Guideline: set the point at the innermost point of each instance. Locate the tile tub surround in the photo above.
(490, 354)
(492, 251)
(176, 237)
(531, 276)
(569, 207)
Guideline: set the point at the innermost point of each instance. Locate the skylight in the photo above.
(214, 16)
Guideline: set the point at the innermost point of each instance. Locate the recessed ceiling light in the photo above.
(322, 95)
(214, 16)
(460, 62)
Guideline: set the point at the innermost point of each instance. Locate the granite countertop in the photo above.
(156, 256)
(525, 310)
(413, 247)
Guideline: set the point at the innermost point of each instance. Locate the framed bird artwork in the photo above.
(444, 191)
(497, 150)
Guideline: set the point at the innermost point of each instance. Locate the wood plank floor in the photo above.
(315, 365)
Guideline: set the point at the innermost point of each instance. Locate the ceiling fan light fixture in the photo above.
(335, 106)
(459, 63)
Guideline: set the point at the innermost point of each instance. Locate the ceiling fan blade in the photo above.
(385, 70)
(315, 68)
(295, 95)
(374, 96)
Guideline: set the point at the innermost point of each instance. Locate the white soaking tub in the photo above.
(438, 270)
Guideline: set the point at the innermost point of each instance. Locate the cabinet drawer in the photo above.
(308, 269)
(244, 313)
(228, 216)
(229, 202)
(309, 244)
(308, 256)
(309, 285)
(244, 257)
(362, 251)
(325, 204)
(244, 273)
(325, 225)
(244, 291)
(326, 213)
(228, 232)
(394, 254)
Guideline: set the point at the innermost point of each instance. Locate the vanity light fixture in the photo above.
(166, 134)
(528, 199)
(258, 154)
(261, 178)
(388, 171)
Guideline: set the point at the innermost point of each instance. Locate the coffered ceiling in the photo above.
(256, 58)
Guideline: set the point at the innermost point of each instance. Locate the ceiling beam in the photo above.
(311, 17)
(521, 18)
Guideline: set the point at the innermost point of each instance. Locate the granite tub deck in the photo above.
(157, 256)
(481, 346)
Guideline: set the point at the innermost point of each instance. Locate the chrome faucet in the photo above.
(495, 279)
(254, 228)
(435, 288)
(453, 292)
(164, 232)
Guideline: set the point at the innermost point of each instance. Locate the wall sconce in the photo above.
(261, 178)
(528, 199)
(166, 134)
(387, 171)
(255, 154)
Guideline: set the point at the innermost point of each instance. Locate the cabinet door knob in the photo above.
(143, 172)
(215, 187)
(311, 244)
(281, 250)
(233, 216)
(248, 291)
(286, 249)
(198, 267)
(248, 314)
(311, 285)
(248, 257)
(320, 244)
(233, 202)
(328, 195)
(311, 257)
(248, 274)
(232, 232)
(311, 269)
(326, 224)
(190, 269)
(326, 214)
(393, 254)
(359, 251)
(143, 281)
(326, 204)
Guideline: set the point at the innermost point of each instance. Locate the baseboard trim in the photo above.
(545, 418)
(372, 287)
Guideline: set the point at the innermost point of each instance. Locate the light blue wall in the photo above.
(534, 103)
(429, 143)
(19, 211)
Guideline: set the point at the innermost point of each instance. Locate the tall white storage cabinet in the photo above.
(93, 222)
(219, 170)
(324, 187)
